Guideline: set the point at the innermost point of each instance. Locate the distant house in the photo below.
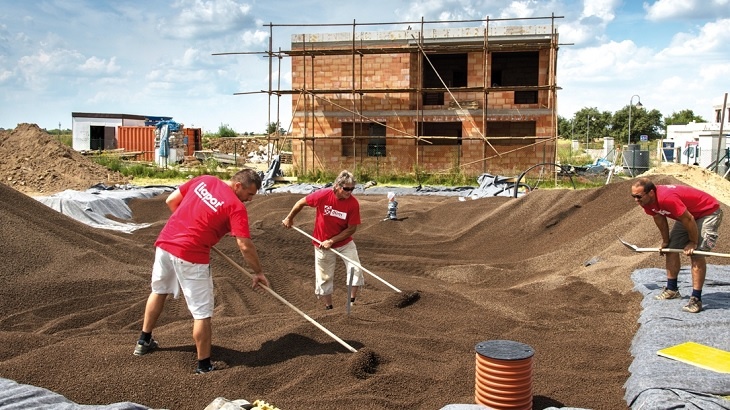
(699, 143)
(98, 131)
(474, 98)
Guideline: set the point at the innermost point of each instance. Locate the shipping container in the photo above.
(138, 139)
(142, 139)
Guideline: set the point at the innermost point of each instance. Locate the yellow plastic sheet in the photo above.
(699, 355)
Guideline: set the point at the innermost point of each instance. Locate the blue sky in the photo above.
(155, 57)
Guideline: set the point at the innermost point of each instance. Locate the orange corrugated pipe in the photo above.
(504, 375)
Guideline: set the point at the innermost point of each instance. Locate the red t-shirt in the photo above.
(208, 211)
(333, 215)
(673, 200)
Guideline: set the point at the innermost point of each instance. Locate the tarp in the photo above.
(92, 206)
(658, 382)
(16, 396)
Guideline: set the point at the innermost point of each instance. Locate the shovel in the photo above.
(671, 250)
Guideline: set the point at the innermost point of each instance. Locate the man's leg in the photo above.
(350, 252)
(673, 265)
(152, 311)
(203, 335)
(324, 268)
(671, 290)
(699, 270)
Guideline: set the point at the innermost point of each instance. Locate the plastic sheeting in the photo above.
(16, 396)
(92, 206)
(489, 186)
(657, 382)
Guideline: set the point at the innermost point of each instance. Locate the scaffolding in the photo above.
(346, 99)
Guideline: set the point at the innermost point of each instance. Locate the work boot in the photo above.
(143, 347)
(694, 305)
(668, 294)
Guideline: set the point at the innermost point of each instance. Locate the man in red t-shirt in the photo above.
(204, 210)
(336, 220)
(698, 216)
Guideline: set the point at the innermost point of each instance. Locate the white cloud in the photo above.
(205, 19)
(684, 9)
(603, 9)
(607, 62)
(5, 75)
(95, 65)
(257, 37)
(710, 44)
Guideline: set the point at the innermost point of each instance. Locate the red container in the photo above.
(138, 139)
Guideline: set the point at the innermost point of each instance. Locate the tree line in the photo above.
(589, 124)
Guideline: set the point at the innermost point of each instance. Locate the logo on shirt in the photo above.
(202, 192)
(661, 212)
(333, 212)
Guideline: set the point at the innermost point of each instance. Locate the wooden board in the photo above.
(699, 355)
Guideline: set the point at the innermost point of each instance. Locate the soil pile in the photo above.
(491, 269)
(34, 162)
(241, 146)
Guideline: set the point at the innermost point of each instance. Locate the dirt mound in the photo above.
(497, 268)
(241, 146)
(34, 162)
(698, 177)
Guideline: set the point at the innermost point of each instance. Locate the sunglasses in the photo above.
(348, 189)
(635, 196)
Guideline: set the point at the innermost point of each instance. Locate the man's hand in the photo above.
(259, 279)
(326, 244)
(690, 248)
(287, 222)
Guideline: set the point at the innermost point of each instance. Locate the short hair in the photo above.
(345, 178)
(646, 184)
(246, 177)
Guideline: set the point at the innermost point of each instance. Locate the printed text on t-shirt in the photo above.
(333, 212)
(202, 191)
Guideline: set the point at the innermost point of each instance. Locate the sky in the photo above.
(158, 58)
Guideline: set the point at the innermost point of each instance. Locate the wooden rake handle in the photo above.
(284, 301)
(348, 259)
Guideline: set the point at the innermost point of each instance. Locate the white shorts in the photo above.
(324, 268)
(170, 273)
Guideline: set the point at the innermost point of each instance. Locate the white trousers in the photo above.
(324, 268)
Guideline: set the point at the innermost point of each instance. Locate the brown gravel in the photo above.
(488, 269)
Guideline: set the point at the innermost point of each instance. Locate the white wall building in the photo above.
(698, 143)
(98, 131)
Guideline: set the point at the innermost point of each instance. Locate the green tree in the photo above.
(224, 131)
(682, 118)
(564, 127)
(589, 124)
(643, 122)
(273, 127)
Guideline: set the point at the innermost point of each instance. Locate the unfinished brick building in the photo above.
(436, 100)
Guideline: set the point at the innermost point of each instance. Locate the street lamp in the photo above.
(588, 129)
(631, 103)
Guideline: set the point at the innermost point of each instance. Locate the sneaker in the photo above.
(668, 294)
(694, 305)
(208, 369)
(144, 348)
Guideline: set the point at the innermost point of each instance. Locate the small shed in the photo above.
(98, 131)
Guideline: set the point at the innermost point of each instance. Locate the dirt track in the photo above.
(497, 268)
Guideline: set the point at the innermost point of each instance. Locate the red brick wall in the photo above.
(398, 110)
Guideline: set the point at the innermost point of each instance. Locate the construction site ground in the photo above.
(497, 268)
